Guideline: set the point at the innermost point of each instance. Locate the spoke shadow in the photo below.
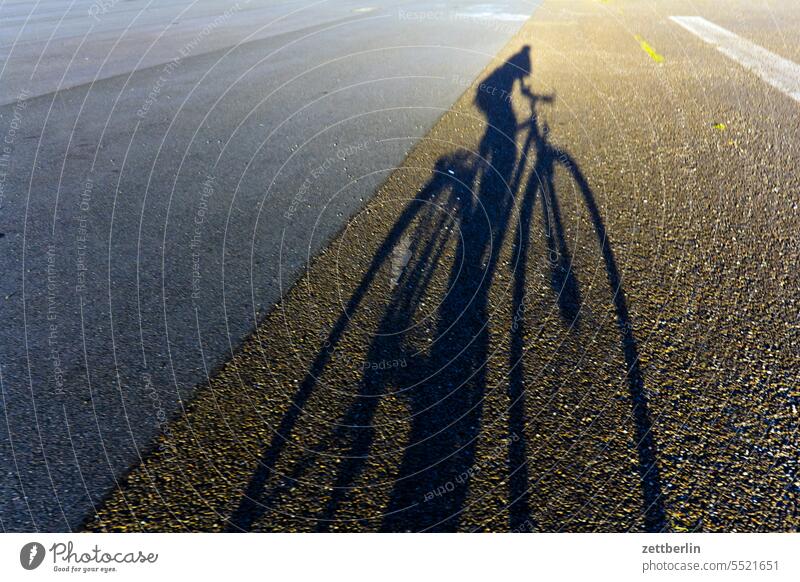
(468, 204)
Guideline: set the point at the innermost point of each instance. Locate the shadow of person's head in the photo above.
(493, 93)
(521, 61)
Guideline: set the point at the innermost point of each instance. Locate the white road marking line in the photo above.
(781, 73)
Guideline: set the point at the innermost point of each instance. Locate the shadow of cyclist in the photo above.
(467, 205)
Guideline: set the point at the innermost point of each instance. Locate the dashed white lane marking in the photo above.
(781, 73)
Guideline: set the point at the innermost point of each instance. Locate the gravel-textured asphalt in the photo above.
(574, 310)
(163, 171)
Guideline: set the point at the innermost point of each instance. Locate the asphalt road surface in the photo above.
(166, 167)
(563, 301)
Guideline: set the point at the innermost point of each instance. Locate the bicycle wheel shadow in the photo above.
(454, 230)
(564, 282)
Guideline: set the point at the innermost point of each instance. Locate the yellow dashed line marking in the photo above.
(648, 49)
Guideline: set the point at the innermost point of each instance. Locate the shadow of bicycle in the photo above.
(453, 231)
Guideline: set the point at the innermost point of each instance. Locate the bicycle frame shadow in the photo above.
(445, 388)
